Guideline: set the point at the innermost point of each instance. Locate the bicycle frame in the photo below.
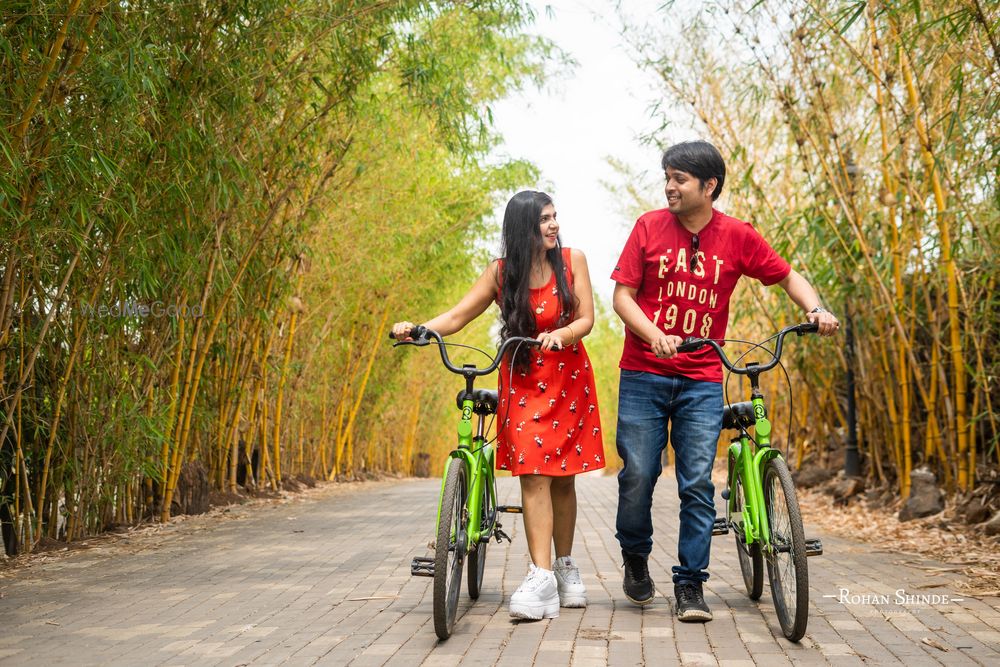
(750, 462)
(473, 452)
(477, 456)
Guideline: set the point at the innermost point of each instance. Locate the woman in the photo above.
(551, 428)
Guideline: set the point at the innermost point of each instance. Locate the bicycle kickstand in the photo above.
(501, 536)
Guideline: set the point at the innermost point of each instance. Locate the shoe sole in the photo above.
(573, 602)
(641, 603)
(695, 616)
(535, 612)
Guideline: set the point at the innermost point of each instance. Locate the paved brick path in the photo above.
(326, 581)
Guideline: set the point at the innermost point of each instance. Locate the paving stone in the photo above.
(249, 591)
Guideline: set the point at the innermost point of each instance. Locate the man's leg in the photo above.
(642, 434)
(696, 423)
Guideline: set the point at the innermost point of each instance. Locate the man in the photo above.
(674, 279)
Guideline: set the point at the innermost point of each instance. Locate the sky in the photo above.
(599, 109)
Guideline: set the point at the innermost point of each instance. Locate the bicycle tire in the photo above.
(449, 549)
(787, 569)
(750, 557)
(477, 557)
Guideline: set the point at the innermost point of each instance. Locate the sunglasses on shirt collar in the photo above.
(694, 252)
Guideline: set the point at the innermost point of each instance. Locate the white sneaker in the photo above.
(572, 592)
(537, 597)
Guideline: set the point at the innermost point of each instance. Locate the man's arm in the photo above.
(803, 294)
(628, 309)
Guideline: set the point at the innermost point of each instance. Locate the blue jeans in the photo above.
(693, 408)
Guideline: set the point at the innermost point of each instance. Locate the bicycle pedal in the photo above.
(720, 527)
(422, 566)
(501, 536)
(814, 547)
(510, 509)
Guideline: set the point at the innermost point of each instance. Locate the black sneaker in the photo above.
(638, 587)
(691, 605)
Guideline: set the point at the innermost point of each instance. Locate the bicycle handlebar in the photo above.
(421, 336)
(692, 344)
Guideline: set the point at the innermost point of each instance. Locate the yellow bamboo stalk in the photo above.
(411, 431)
(324, 432)
(283, 377)
(377, 341)
(55, 49)
(954, 324)
(889, 201)
(174, 400)
(338, 442)
(190, 390)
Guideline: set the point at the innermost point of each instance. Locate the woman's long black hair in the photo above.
(522, 238)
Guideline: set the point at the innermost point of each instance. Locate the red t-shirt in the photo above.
(656, 261)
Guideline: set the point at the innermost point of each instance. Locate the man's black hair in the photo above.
(700, 159)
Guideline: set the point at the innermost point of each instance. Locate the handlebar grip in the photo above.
(690, 344)
(416, 333)
(807, 327)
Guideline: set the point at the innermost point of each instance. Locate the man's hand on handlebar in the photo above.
(827, 322)
(664, 346)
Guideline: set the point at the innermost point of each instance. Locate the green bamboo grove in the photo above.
(863, 140)
(209, 210)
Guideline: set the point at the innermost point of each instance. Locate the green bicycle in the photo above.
(467, 509)
(762, 509)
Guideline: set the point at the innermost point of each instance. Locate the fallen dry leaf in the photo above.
(935, 644)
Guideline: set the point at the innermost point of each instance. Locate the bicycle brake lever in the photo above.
(690, 344)
(420, 342)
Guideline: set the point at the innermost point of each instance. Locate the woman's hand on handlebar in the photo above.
(401, 330)
(665, 346)
(550, 340)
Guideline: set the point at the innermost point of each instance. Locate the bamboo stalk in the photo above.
(954, 325)
(52, 56)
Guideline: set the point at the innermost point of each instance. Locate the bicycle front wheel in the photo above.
(786, 563)
(477, 556)
(450, 548)
(749, 555)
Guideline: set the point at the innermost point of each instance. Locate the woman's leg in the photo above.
(563, 492)
(536, 500)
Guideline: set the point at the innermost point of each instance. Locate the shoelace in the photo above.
(571, 574)
(639, 568)
(688, 594)
(533, 582)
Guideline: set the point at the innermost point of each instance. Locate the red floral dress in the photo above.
(549, 421)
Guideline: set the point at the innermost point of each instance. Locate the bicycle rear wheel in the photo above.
(787, 569)
(450, 548)
(751, 560)
(477, 557)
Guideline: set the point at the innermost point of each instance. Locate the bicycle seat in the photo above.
(738, 415)
(485, 401)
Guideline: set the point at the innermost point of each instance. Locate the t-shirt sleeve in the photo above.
(760, 260)
(629, 269)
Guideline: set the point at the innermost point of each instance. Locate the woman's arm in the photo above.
(475, 302)
(584, 322)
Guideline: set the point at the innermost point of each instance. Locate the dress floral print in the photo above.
(551, 423)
